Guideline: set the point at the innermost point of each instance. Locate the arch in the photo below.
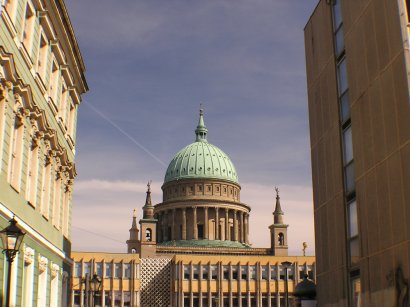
(148, 234)
(281, 239)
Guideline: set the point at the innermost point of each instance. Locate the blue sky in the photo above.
(149, 65)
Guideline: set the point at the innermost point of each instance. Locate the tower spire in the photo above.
(201, 131)
(278, 230)
(134, 219)
(148, 207)
(278, 213)
(133, 242)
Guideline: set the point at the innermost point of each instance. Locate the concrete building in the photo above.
(41, 81)
(357, 58)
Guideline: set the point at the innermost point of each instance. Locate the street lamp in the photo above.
(11, 237)
(286, 265)
(95, 284)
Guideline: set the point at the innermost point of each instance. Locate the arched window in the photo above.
(133, 251)
(148, 235)
(281, 239)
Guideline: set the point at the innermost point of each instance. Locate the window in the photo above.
(353, 228)
(99, 268)
(355, 290)
(117, 298)
(117, 270)
(108, 298)
(72, 120)
(46, 189)
(342, 76)
(108, 270)
(214, 272)
(42, 57)
(234, 270)
(32, 174)
(42, 282)
(344, 108)
(353, 232)
(98, 299)
(77, 298)
(281, 239)
(244, 272)
(54, 79)
(87, 268)
(187, 272)
(28, 280)
(62, 106)
(28, 28)
(347, 145)
(16, 154)
(338, 28)
(302, 271)
(205, 272)
(265, 272)
(77, 269)
(349, 178)
(10, 6)
(127, 299)
(273, 274)
(127, 270)
(195, 272)
(66, 203)
(282, 273)
(148, 235)
(252, 271)
(291, 273)
(54, 290)
(225, 270)
(57, 202)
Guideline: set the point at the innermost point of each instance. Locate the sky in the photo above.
(149, 65)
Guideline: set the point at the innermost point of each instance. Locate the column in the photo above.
(195, 223)
(241, 232)
(246, 220)
(206, 223)
(183, 224)
(216, 223)
(226, 224)
(159, 229)
(235, 226)
(173, 232)
(164, 226)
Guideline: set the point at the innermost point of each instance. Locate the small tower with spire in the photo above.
(133, 244)
(148, 226)
(278, 230)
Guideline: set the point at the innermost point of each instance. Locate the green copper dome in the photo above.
(201, 160)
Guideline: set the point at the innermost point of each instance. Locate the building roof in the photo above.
(201, 160)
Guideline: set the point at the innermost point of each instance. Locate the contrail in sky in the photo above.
(125, 133)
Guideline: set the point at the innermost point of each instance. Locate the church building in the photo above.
(193, 248)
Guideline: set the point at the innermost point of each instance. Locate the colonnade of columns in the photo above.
(208, 223)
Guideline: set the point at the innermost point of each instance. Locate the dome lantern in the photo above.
(201, 131)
